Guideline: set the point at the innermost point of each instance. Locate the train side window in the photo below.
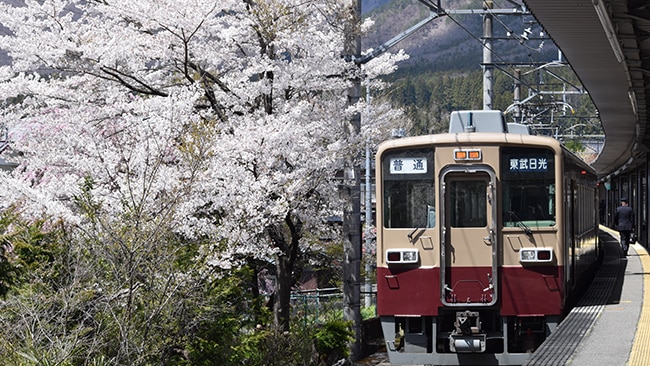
(528, 187)
(408, 189)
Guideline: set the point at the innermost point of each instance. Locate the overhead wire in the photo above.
(461, 26)
(483, 4)
(513, 34)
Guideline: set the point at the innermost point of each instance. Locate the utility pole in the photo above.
(487, 55)
(352, 190)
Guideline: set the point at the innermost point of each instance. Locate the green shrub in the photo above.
(331, 340)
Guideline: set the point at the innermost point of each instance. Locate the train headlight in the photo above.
(536, 255)
(402, 256)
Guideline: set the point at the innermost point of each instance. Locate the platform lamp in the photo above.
(608, 27)
(7, 165)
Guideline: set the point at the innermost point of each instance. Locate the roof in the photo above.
(616, 73)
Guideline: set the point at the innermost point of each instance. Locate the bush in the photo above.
(331, 341)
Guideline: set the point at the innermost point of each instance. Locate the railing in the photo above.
(317, 305)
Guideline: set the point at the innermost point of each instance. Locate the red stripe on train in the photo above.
(534, 290)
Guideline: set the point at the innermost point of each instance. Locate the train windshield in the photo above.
(528, 182)
(408, 189)
(468, 203)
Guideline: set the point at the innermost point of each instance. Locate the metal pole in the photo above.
(368, 204)
(368, 214)
(517, 94)
(352, 211)
(487, 56)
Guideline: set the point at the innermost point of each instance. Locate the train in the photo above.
(485, 237)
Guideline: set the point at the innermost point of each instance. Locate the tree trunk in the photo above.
(282, 306)
(286, 237)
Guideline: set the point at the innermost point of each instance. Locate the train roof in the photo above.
(484, 127)
(492, 138)
(482, 138)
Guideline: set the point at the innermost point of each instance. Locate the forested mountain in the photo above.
(444, 71)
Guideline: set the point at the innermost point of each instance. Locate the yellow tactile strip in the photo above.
(640, 355)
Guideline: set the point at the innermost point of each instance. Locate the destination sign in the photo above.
(408, 166)
(528, 164)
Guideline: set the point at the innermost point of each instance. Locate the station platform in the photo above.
(610, 325)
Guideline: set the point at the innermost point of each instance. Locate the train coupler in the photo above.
(467, 336)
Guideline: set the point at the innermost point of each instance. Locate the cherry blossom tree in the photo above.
(219, 122)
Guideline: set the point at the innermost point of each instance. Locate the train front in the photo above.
(470, 261)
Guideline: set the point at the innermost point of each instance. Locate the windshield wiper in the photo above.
(410, 235)
(520, 223)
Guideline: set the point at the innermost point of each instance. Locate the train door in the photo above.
(469, 252)
(569, 242)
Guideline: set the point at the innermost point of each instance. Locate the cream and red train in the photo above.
(484, 235)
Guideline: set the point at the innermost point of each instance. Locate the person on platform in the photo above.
(624, 221)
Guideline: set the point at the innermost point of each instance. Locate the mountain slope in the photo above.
(370, 5)
(453, 42)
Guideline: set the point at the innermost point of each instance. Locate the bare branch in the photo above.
(123, 79)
